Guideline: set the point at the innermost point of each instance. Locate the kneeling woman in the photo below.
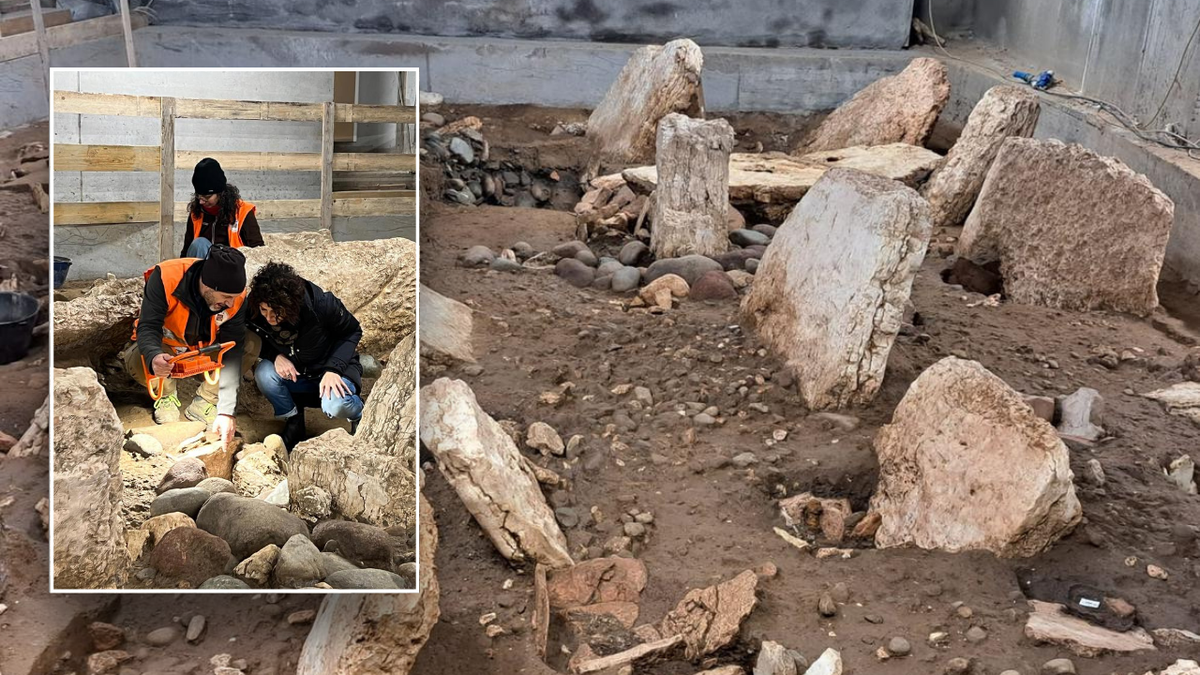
(309, 349)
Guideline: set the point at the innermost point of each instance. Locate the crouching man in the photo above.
(189, 303)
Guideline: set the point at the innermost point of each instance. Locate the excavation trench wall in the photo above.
(577, 74)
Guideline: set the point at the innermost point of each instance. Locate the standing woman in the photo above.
(217, 214)
(309, 349)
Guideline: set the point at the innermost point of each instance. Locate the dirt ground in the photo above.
(713, 520)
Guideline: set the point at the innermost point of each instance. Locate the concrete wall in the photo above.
(128, 249)
(1123, 51)
(877, 24)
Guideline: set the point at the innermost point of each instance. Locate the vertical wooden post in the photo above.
(127, 28)
(39, 25)
(166, 178)
(327, 168)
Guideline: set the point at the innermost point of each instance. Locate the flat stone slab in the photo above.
(1049, 623)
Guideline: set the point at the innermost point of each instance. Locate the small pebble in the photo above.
(898, 646)
(1058, 667)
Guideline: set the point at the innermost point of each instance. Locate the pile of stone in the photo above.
(472, 177)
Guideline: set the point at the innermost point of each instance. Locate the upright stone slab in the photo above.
(655, 81)
(89, 531)
(1004, 112)
(967, 465)
(445, 329)
(481, 461)
(389, 420)
(1071, 229)
(898, 109)
(692, 201)
(376, 633)
(830, 291)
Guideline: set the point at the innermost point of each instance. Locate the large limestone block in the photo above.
(898, 109)
(376, 633)
(1004, 112)
(89, 532)
(376, 280)
(967, 465)
(445, 329)
(99, 322)
(829, 294)
(1071, 229)
(692, 202)
(489, 474)
(654, 82)
(370, 477)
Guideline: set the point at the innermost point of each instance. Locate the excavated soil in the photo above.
(713, 520)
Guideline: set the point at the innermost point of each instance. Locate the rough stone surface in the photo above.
(1049, 623)
(89, 530)
(602, 580)
(661, 291)
(901, 108)
(99, 322)
(257, 568)
(909, 164)
(224, 582)
(1181, 399)
(389, 421)
(489, 474)
(256, 472)
(1071, 229)
(966, 465)
(692, 200)
(1081, 412)
(774, 659)
(376, 280)
(542, 437)
(143, 445)
(299, 565)
(830, 293)
(248, 524)
(445, 329)
(829, 663)
(186, 473)
(191, 555)
(1003, 112)
(376, 634)
(656, 81)
(709, 618)
(158, 526)
(363, 486)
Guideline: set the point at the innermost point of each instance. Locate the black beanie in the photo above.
(224, 269)
(208, 178)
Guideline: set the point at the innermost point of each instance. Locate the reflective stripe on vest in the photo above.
(235, 228)
(176, 321)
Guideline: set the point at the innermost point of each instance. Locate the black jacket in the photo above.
(154, 312)
(324, 339)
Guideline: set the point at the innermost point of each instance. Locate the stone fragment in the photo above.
(190, 555)
(1181, 399)
(1081, 413)
(830, 293)
(445, 329)
(601, 580)
(709, 618)
(1049, 623)
(542, 437)
(965, 464)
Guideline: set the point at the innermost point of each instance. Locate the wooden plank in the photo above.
(253, 161)
(71, 157)
(22, 22)
(360, 112)
(105, 213)
(373, 194)
(374, 161)
(127, 29)
(327, 133)
(39, 27)
(166, 182)
(217, 109)
(354, 207)
(65, 35)
(106, 104)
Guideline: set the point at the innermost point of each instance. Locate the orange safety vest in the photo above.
(235, 228)
(176, 321)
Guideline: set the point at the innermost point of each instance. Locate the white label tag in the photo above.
(1090, 604)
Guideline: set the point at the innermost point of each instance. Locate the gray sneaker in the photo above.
(201, 411)
(166, 410)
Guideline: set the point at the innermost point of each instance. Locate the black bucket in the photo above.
(18, 313)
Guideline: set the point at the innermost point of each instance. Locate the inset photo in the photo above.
(233, 330)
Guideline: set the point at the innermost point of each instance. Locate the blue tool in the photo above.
(1043, 81)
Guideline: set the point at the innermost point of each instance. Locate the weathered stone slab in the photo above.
(1004, 112)
(709, 618)
(1071, 229)
(655, 81)
(89, 532)
(445, 329)
(1048, 622)
(481, 461)
(692, 202)
(830, 292)
(901, 108)
(99, 322)
(967, 465)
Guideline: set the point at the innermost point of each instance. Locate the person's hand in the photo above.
(331, 384)
(285, 368)
(225, 426)
(161, 365)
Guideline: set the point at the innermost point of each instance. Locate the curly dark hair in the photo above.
(280, 288)
(226, 207)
